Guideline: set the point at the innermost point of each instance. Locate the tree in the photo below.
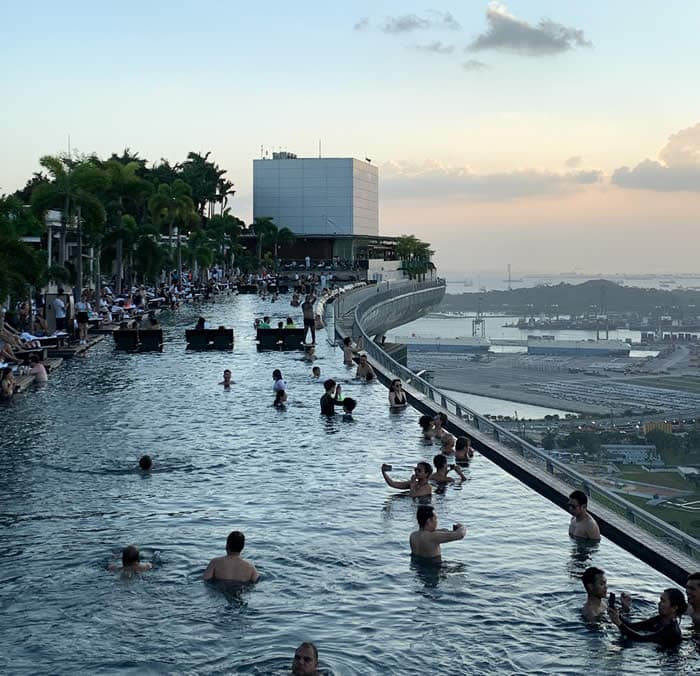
(262, 227)
(415, 255)
(223, 231)
(207, 182)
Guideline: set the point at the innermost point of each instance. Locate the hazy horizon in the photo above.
(554, 137)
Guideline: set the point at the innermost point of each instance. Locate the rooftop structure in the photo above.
(326, 196)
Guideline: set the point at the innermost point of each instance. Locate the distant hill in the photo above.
(595, 296)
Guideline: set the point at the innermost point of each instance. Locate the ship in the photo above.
(611, 348)
(454, 345)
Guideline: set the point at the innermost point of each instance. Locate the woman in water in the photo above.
(280, 387)
(397, 397)
(663, 628)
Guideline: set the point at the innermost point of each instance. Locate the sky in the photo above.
(554, 136)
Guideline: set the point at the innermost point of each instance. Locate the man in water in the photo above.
(331, 398)
(692, 591)
(316, 373)
(596, 585)
(364, 369)
(463, 449)
(145, 463)
(307, 307)
(232, 567)
(305, 660)
(426, 541)
(582, 524)
(227, 382)
(131, 561)
(440, 475)
(417, 485)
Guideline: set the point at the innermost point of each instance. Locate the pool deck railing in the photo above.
(654, 541)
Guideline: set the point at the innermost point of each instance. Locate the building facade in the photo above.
(326, 196)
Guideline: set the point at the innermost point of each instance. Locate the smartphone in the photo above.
(387, 468)
(455, 526)
(611, 600)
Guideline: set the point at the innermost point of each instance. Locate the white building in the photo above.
(327, 196)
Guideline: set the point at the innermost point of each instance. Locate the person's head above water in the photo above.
(235, 542)
(329, 384)
(424, 513)
(227, 374)
(439, 461)
(277, 374)
(145, 462)
(316, 371)
(305, 660)
(594, 582)
(130, 556)
(349, 404)
(347, 341)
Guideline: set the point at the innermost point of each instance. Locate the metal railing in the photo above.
(682, 541)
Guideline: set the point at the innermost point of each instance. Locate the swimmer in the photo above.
(582, 524)
(397, 397)
(596, 586)
(663, 628)
(305, 660)
(349, 351)
(310, 353)
(227, 382)
(145, 463)
(417, 485)
(364, 369)
(439, 422)
(349, 406)
(232, 567)
(448, 443)
(440, 475)
(463, 449)
(131, 562)
(330, 398)
(426, 424)
(279, 387)
(425, 542)
(316, 373)
(692, 592)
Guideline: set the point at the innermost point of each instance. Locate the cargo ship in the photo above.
(424, 344)
(596, 348)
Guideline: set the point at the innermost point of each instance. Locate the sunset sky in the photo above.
(554, 136)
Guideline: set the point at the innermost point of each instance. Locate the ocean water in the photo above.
(328, 536)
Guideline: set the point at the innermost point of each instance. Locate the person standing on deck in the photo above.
(307, 308)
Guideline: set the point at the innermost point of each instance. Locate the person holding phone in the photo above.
(663, 628)
(596, 585)
(417, 485)
(331, 398)
(425, 542)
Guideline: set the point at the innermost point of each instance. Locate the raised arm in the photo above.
(395, 484)
(444, 535)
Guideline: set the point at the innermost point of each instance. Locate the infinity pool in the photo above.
(329, 537)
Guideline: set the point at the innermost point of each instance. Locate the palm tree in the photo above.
(171, 204)
(262, 226)
(281, 236)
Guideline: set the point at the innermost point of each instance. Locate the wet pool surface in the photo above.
(328, 536)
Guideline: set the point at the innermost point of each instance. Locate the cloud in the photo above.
(474, 64)
(407, 23)
(506, 32)
(435, 47)
(677, 171)
(434, 180)
(574, 162)
(362, 24)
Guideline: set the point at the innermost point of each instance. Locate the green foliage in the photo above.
(415, 256)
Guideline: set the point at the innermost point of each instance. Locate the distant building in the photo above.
(662, 426)
(317, 195)
(630, 454)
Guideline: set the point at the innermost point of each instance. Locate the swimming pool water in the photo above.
(328, 536)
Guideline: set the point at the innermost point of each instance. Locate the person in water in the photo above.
(279, 386)
(349, 351)
(305, 660)
(232, 567)
(316, 373)
(692, 592)
(426, 424)
(131, 561)
(417, 485)
(440, 475)
(596, 585)
(349, 405)
(145, 463)
(425, 542)
(397, 397)
(331, 398)
(463, 449)
(364, 369)
(663, 628)
(582, 524)
(227, 382)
